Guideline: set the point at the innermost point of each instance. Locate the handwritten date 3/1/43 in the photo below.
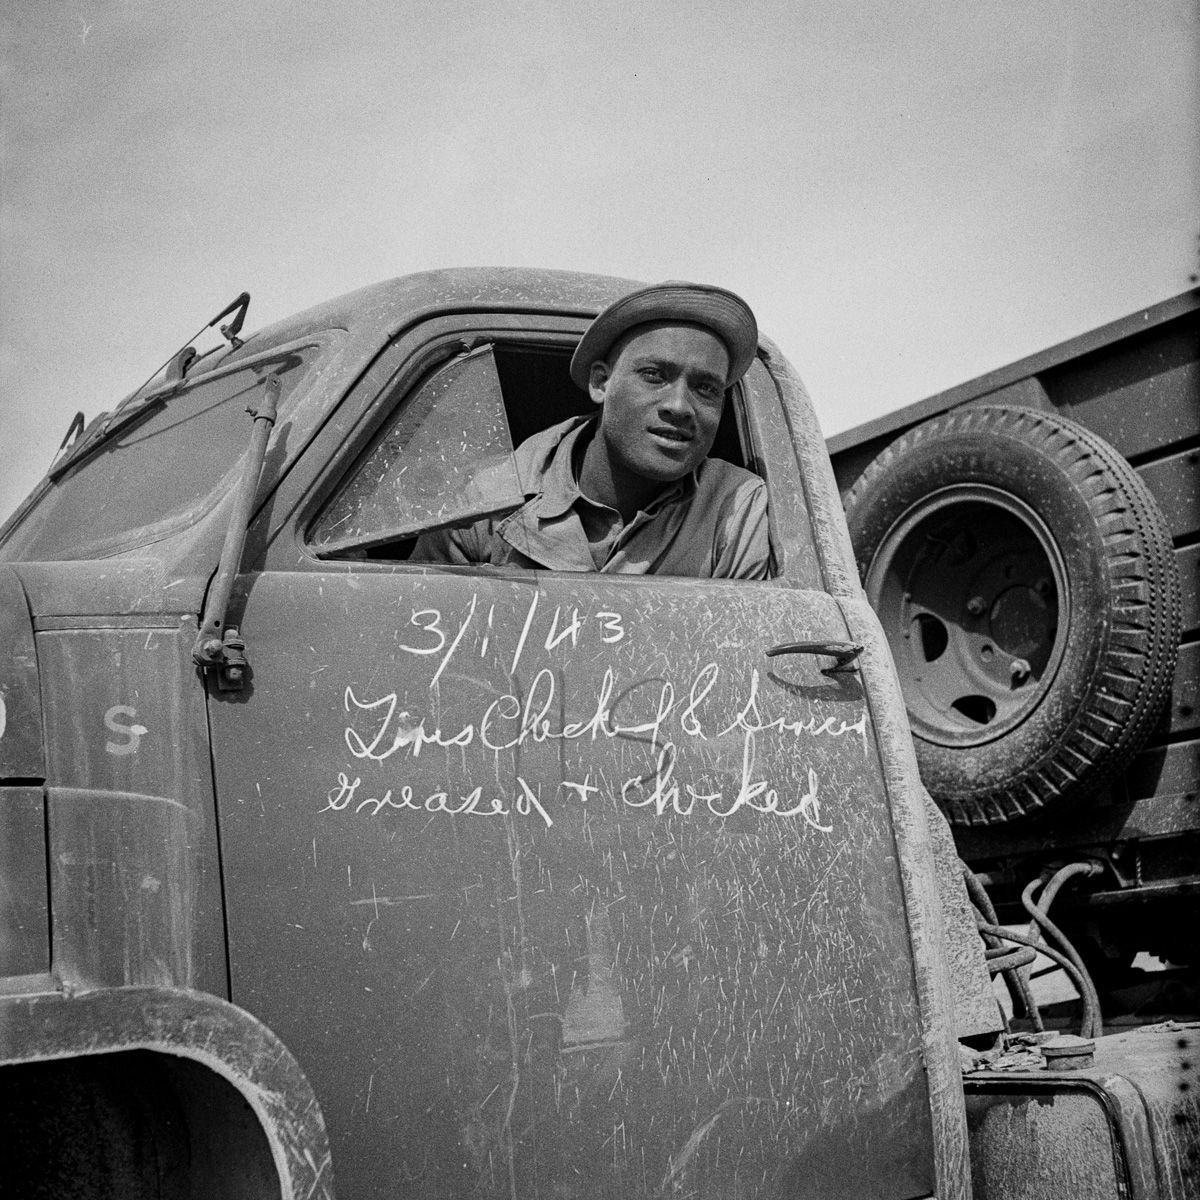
(565, 628)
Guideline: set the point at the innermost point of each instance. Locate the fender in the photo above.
(192, 1025)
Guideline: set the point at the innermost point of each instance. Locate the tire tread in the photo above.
(1131, 674)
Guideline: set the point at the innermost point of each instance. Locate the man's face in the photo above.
(662, 389)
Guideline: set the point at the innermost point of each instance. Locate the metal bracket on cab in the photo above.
(219, 646)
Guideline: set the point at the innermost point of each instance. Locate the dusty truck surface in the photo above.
(1031, 542)
(330, 872)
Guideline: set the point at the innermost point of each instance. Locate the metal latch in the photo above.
(843, 654)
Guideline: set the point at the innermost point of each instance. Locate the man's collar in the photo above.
(560, 484)
(680, 489)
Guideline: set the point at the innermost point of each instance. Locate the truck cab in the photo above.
(453, 880)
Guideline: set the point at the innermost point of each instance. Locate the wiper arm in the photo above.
(124, 416)
(73, 431)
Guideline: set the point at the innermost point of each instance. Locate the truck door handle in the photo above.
(844, 654)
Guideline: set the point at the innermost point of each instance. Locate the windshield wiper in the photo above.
(131, 408)
(116, 421)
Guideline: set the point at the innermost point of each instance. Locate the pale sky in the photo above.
(908, 193)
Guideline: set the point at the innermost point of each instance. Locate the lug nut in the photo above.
(1019, 669)
(976, 606)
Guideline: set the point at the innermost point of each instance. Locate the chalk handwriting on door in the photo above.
(565, 626)
(705, 742)
(508, 722)
(659, 794)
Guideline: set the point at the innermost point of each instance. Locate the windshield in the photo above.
(157, 474)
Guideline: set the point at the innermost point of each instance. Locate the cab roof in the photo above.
(380, 310)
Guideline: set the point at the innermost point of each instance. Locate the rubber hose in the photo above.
(1010, 958)
(1061, 876)
(1090, 1014)
(1040, 912)
(1016, 977)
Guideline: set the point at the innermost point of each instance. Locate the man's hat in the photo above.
(726, 315)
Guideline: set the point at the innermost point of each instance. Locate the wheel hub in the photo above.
(968, 585)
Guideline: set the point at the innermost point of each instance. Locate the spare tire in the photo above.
(1026, 582)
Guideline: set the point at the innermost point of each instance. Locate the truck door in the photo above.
(557, 884)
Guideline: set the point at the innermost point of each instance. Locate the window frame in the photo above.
(411, 358)
(373, 534)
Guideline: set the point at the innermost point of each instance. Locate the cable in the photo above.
(1040, 912)
(1016, 976)
(1091, 1015)
(1005, 958)
(1061, 876)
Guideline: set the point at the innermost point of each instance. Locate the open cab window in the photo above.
(444, 457)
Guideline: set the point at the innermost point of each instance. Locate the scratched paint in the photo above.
(635, 928)
(660, 712)
(129, 811)
(623, 916)
(21, 753)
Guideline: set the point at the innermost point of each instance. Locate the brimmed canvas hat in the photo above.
(726, 314)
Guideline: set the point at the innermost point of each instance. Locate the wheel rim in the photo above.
(973, 597)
